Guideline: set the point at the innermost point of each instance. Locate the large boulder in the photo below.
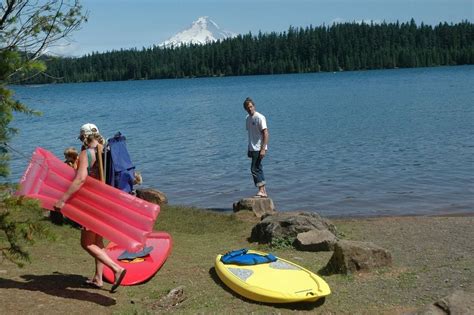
(352, 256)
(459, 302)
(288, 225)
(315, 241)
(152, 195)
(259, 206)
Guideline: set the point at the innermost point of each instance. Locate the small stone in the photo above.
(173, 298)
(152, 195)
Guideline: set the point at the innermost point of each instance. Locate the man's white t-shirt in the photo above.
(255, 125)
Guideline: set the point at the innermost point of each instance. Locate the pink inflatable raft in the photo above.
(116, 215)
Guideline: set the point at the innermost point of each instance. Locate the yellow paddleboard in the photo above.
(277, 282)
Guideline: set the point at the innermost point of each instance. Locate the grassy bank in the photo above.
(432, 257)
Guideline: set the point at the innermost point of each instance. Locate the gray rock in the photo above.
(352, 256)
(259, 206)
(288, 225)
(152, 195)
(457, 303)
(315, 241)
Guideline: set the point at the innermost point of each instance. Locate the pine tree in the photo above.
(27, 28)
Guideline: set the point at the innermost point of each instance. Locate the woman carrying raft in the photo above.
(89, 161)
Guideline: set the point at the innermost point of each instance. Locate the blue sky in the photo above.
(115, 24)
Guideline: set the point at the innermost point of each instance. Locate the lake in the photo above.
(384, 142)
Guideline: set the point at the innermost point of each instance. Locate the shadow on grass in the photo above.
(59, 285)
(302, 306)
(326, 271)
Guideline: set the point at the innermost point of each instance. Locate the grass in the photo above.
(52, 281)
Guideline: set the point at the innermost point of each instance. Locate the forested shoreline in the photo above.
(340, 47)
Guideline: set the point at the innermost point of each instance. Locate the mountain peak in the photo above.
(206, 22)
(202, 20)
(202, 31)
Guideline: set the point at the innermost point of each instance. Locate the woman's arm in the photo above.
(78, 181)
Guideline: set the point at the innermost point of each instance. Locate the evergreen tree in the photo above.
(346, 46)
(27, 29)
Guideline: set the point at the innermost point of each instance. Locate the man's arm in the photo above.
(265, 137)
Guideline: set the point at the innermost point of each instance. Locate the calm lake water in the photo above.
(391, 142)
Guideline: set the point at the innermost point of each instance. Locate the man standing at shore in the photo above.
(256, 125)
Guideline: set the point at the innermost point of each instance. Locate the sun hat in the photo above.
(88, 129)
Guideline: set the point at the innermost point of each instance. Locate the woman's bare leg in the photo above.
(99, 266)
(95, 248)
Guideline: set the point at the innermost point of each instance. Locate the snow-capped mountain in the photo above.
(202, 31)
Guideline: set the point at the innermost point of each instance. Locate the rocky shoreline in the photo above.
(380, 265)
(308, 231)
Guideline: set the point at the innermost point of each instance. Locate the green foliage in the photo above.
(20, 224)
(282, 242)
(27, 29)
(340, 47)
